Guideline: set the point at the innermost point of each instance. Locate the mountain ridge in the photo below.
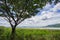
(54, 25)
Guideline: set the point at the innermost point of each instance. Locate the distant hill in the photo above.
(54, 25)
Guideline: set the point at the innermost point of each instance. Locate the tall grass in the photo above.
(30, 34)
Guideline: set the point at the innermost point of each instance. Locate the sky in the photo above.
(49, 15)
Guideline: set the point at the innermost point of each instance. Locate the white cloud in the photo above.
(38, 21)
(56, 7)
(47, 7)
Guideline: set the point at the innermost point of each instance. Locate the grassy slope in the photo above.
(32, 34)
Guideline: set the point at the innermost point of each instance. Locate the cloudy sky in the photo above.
(50, 14)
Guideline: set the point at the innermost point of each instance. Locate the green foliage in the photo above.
(30, 34)
(56, 1)
(1, 14)
(18, 10)
(27, 6)
(24, 8)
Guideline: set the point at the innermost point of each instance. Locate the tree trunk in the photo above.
(13, 33)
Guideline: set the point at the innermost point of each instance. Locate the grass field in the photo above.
(30, 34)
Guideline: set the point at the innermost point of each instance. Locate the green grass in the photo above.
(30, 34)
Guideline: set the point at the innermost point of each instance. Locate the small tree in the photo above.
(17, 11)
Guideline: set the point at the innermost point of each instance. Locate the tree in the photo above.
(16, 11)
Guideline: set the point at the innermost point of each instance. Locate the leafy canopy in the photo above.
(18, 10)
(23, 8)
